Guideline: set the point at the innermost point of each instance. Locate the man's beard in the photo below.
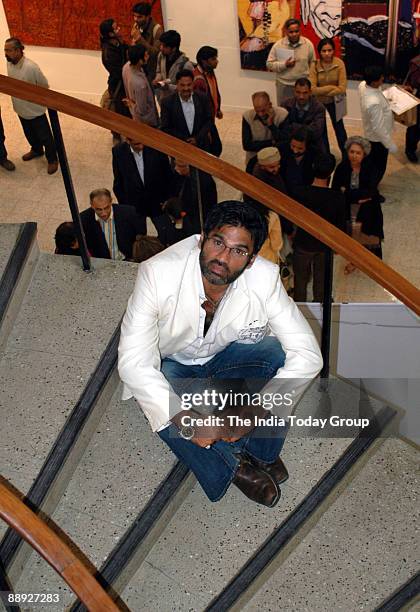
(216, 279)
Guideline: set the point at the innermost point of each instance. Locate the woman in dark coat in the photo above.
(358, 179)
(114, 56)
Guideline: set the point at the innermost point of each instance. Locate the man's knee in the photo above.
(268, 351)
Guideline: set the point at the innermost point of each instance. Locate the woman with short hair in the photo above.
(358, 178)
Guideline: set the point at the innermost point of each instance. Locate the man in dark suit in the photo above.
(110, 229)
(184, 187)
(141, 177)
(187, 115)
(297, 158)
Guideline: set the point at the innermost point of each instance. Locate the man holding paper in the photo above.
(377, 118)
(290, 58)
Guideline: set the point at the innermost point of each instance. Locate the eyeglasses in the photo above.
(219, 246)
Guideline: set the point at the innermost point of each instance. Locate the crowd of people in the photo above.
(286, 145)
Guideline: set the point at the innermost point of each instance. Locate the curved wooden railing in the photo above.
(340, 242)
(50, 546)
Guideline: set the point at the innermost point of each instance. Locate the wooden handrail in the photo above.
(340, 242)
(58, 554)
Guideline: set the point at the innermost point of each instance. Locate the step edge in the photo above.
(65, 454)
(16, 278)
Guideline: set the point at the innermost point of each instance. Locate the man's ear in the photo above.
(251, 261)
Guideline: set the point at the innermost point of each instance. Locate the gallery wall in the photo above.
(81, 74)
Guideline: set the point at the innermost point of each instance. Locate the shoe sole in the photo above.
(278, 496)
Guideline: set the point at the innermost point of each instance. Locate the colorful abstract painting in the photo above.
(68, 23)
(261, 25)
(379, 33)
(360, 29)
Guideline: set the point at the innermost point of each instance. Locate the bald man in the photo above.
(263, 125)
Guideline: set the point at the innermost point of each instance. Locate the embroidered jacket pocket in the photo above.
(253, 333)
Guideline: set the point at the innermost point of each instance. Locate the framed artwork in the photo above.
(383, 32)
(73, 24)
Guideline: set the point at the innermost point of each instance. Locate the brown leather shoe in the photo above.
(7, 164)
(52, 168)
(31, 155)
(256, 484)
(276, 470)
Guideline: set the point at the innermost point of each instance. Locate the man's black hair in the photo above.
(171, 39)
(323, 165)
(205, 53)
(303, 82)
(373, 73)
(65, 237)
(301, 134)
(16, 42)
(142, 8)
(184, 73)
(136, 53)
(238, 214)
(291, 21)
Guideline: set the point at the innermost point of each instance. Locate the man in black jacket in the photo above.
(110, 229)
(297, 158)
(184, 186)
(308, 251)
(141, 177)
(305, 110)
(187, 115)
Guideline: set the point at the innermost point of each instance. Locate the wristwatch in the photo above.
(187, 432)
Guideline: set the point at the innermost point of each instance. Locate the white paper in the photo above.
(282, 54)
(400, 100)
(340, 102)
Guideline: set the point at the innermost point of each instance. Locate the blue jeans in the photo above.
(216, 466)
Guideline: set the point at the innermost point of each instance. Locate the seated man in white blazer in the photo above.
(209, 309)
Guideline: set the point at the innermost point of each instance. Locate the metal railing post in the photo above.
(68, 184)
(197, 190)
(326, 312)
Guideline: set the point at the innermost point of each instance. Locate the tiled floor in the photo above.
(29, 194)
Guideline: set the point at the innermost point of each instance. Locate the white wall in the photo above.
(215, 22)
(379, 343)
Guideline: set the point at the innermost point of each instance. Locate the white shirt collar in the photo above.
(138, 153)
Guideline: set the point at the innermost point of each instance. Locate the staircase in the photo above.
(342, 536)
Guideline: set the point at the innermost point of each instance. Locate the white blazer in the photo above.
(162, 319)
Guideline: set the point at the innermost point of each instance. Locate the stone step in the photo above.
(206, 544)
(122, 466)
(363, 548)
(65, 322)
(18, 256)
(9, 233)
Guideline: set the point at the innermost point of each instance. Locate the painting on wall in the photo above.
(73, 24)
(380, 33)
(383, 32)
(261, 25)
